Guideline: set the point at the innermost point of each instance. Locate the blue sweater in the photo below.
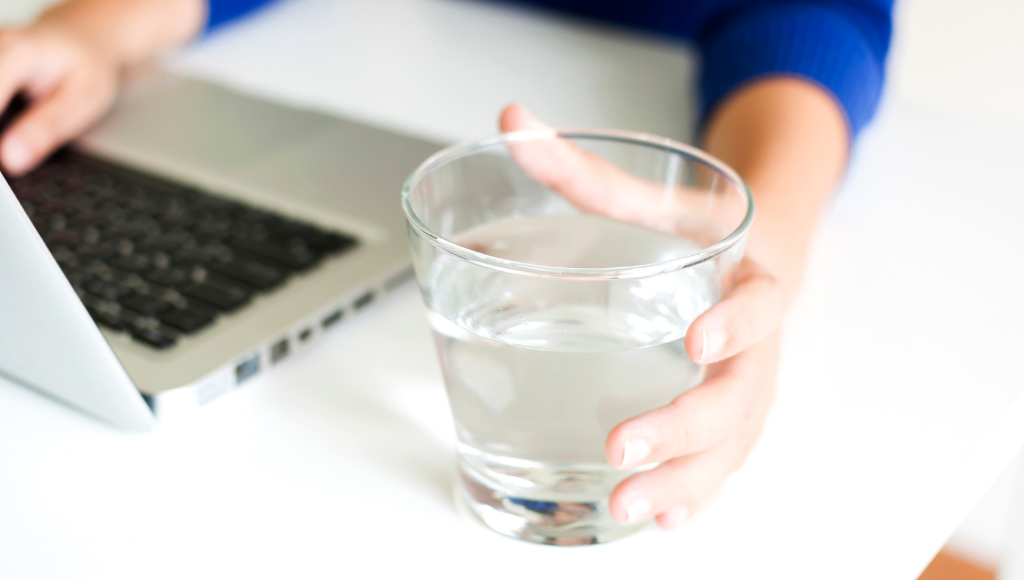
(838, 44)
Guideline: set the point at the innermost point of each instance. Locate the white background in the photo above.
(966, 59)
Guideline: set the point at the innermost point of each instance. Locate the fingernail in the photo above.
(634, 451)
(16, 156)
(637, 510)
(713, 341)
(675, 516)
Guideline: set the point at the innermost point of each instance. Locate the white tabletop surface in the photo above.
(900, 396)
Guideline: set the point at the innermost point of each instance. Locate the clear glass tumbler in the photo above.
(560, 271)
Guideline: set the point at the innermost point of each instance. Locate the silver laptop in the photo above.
(194, 239)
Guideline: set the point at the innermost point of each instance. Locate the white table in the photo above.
(899, 399)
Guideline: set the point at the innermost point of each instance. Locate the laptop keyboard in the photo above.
(158, 260)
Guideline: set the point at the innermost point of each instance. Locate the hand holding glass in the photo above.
(561, 271)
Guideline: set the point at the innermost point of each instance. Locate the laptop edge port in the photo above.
(279, 350)
(247, 368)
(363, 300)
(306, 334)
(332, 319)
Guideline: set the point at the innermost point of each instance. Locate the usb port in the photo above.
(305, 334)
(279, 350)
(363, 300)
(331, 319)
(247, 368)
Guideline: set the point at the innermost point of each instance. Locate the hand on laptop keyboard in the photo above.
(156, 259)
(69, 61)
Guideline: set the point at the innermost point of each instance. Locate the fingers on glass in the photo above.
(749, 313)
(700, 438)
(697, 420)
(676, 489)
(586, 180)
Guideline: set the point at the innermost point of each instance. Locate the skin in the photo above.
(785, 136)
(69, 63)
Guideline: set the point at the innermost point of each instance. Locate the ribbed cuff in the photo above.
(805, 40)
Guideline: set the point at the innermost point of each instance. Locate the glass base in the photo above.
(542, 522)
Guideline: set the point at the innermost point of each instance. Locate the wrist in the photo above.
(126, 32)
(789, 141)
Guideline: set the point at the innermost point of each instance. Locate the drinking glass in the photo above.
(560, 271)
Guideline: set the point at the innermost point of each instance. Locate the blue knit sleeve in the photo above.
(220, 11)
(841, 46)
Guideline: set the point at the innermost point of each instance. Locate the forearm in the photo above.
(789, 141)
(129, 31)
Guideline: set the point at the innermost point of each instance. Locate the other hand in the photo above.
(704, 434)
(69, 81)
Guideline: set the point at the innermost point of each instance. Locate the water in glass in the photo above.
(536, 380)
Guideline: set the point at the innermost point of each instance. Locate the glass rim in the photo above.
(467, 148)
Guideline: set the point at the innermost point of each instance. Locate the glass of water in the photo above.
(560, 271)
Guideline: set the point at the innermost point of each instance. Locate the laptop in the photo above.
(192, 240)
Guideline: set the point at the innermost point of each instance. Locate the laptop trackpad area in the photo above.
(347, 167)
(199, 124)
(316, 160)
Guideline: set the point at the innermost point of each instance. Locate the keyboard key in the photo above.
(65, 256)
(186, 320)
(169, 277)
(100, 251)
(111, 321)
(169, 240)
(135, 320)
(330, 243)
(61, 238)
(87, 218)
(193, 256)
(251, 272)
(217, 228)
(153, 338)
(294, 257)
(133, 263)
(253, 216)
(132, 227)
(218, 205)
(56, 205)
(197, 306)
(77, 277)
(224, 298)
(149, 205)
(107, 290)
(90, 235)
(144, 305)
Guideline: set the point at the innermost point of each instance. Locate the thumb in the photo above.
(516, 117)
